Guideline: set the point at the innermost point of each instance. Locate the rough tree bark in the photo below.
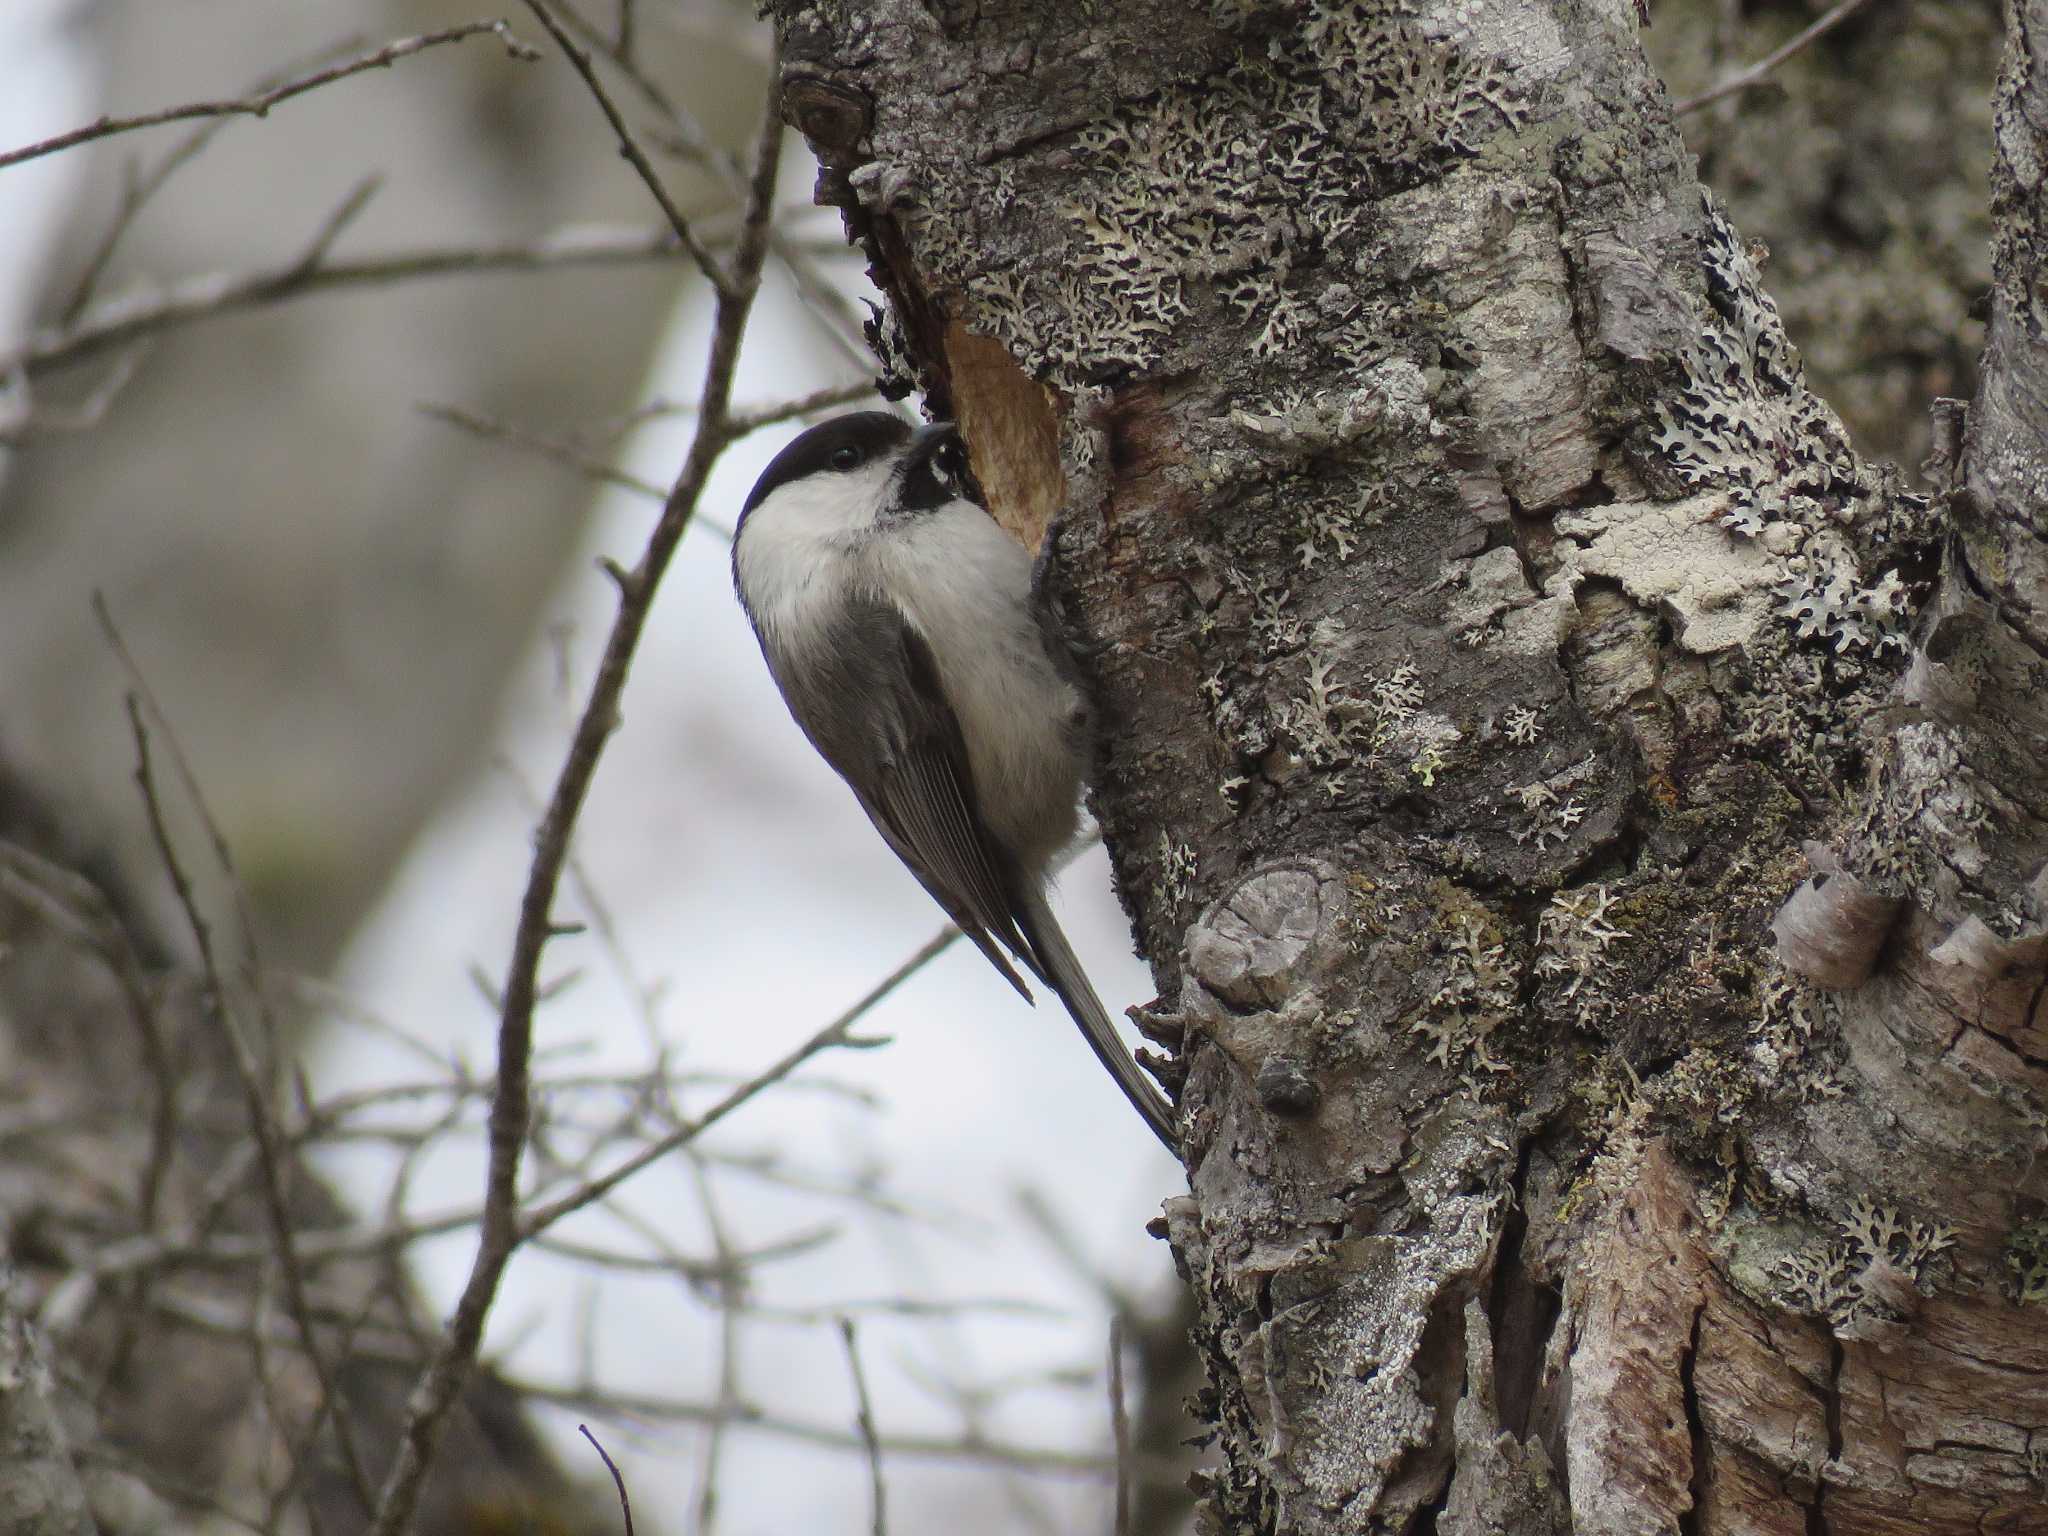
(1585, 821)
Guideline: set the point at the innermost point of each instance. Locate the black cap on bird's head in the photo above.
(933, 460)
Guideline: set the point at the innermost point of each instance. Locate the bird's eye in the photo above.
(846, 457)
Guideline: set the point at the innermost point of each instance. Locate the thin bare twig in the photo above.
(138, 187)
(728, 1280)
(253, 1074)
(172, 1490)
(72, 903)
(972, 1447)
(1119, 1426)
(316, 1248)
(864, 1421)
(345, 213)
(908, 1306)
(686, 139)
(276, 1197)
(511, 1109)
(19, 424)
(571, 453)
(568, 454)
(725, 284)
(209, 1315)
(1038, 1212)
(731, 1290)
(618, 1482)
(303, 1463)
(223, 855)
(116, 321)
(825, 399)
(259, 105)
(1752, 74)
(839, 1033)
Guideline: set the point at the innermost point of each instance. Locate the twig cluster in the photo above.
(89, 327)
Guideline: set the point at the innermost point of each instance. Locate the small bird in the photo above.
(897, 619)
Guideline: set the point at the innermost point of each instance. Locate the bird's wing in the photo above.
(918, 790)
(906, 761)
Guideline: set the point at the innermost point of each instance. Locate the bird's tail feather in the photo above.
(1063, 973)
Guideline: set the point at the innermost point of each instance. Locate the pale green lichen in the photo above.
(1274, 625)
(1821, 598)
(1573, 937)
(1863, 1276)
(1175, 886)
(1480, 992)
(1332, 725)
(1792, 1016)
(1927, 809)
(2026, 1263)
(1744, 430)
(1206, 197)
(1551, 815)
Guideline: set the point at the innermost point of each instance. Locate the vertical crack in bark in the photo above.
(1522, 1311)
(1816, 1512)
(1440, 1364)
(1696, 1485)
(1522, 529)
(1428, 1516)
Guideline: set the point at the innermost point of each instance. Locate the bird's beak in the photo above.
(926, 442)
(936, 463)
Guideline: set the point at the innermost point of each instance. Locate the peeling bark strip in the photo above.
(1486, 617)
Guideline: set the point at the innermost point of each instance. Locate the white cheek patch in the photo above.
(828, 504)
(787, 541)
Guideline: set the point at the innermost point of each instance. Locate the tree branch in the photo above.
(864, 1422)
(1753, 74)
(115, 321)
(255, 1096)
(259, 104)
(629, 147)
(502, 1231)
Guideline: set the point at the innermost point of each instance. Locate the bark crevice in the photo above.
(1690, 1521)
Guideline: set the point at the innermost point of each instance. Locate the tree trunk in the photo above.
(1584, 820)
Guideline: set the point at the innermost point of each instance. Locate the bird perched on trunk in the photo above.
(898, 621)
